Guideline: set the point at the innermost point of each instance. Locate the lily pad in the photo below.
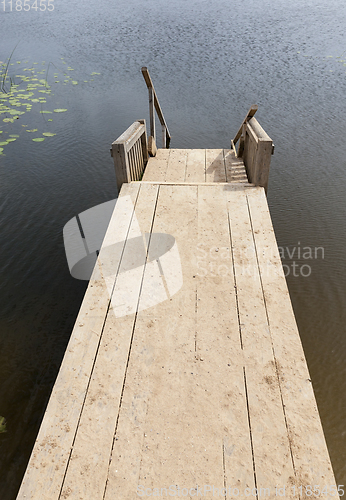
(2, 425)
(33, 130)
(4, 143)
(59, 110)
(50, 120)
(38, 139)
(74, 82)
(13, 135)
(46, 112)
(48, 134)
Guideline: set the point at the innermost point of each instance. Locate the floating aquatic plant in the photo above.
(23, 90)
(2, 425)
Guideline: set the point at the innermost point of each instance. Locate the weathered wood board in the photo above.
(185, 370)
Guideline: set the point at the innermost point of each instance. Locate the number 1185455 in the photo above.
(18, 5)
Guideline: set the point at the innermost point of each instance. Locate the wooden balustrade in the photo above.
(130, 153)
(256, 148)
(155, 105)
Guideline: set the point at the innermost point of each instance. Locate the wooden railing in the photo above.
(130, 153)
(155, 105)
(256, 148)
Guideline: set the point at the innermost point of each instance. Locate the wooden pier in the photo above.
(185, 371)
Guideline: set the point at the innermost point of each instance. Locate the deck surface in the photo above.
(195, 165)
(185, 367)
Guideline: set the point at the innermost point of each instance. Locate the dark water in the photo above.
(210, 61)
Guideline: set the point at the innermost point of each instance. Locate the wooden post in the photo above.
(153, 99)
(121, 164)
(152, 149)
(164, 135)
(258, 148)
(128, 162)
(152, 112)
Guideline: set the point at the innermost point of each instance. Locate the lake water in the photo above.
(209, 62)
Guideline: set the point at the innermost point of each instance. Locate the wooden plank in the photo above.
(251, 133)
(271, 448)
(47, 465)
(218, 340)
(215, 166)
(135, 136)
(195, 165)
(258, 129)
(234, 186)
(156, 168)
(95, 434)
(150, 85)
(152, 447)
(130, 134)
(176, 165)
(249, 115)
(310, 453)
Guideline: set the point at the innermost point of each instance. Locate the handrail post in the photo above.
(152, 112)
(155, 105)
(164, 136)
(250, 114)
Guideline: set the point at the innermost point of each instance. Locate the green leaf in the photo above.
(11, 140)
(50, 120)
(46, 112)
(59, 110)
(48, 134)
(4, 143)
(33, 130)
(74, 82)
(13, 135)
(38, 139)
(2, 425)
